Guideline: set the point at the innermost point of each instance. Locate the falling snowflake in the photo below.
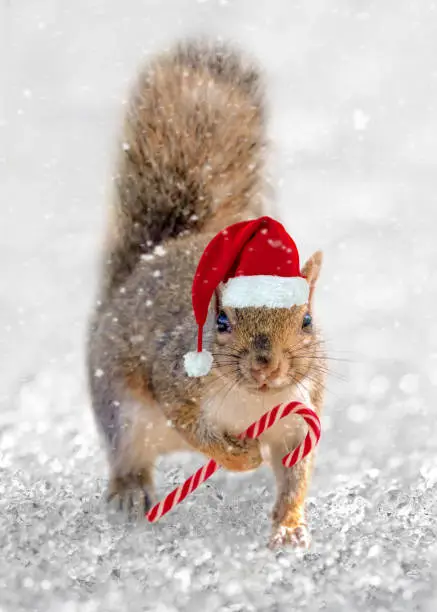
(360, 120)
(159, 250)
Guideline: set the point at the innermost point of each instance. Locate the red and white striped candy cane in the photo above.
(256, 429)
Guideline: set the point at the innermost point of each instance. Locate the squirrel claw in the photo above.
(132, 502)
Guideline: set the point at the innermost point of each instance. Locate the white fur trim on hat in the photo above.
(197, 364)
(269, 291)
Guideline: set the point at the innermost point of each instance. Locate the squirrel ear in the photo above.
(311, 271)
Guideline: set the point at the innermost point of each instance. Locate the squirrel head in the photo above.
(268, 349)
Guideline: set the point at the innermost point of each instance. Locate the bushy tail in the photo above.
(192, 152)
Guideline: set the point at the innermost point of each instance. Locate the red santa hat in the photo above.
(258, 262)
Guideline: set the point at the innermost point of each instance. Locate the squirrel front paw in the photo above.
(240, 455)
(296, 536)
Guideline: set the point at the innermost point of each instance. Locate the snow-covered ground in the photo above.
(353, 89)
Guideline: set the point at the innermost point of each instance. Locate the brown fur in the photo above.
(195, 133)
(191, 152)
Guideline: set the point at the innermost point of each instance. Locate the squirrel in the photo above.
(191, 162)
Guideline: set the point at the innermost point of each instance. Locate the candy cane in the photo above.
(256, 429)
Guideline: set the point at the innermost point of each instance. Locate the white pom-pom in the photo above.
(197, 364)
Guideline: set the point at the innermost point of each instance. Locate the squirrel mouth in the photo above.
(267, 387)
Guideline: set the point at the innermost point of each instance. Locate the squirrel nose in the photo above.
(264, 368)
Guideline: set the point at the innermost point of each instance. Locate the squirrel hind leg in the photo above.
(132, 457)
(127, 427)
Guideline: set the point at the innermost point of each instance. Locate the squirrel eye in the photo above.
(307, 321)
(223, 323)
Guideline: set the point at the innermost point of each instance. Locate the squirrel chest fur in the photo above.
(190, 165)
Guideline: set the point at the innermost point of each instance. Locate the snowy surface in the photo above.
(353, 89)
